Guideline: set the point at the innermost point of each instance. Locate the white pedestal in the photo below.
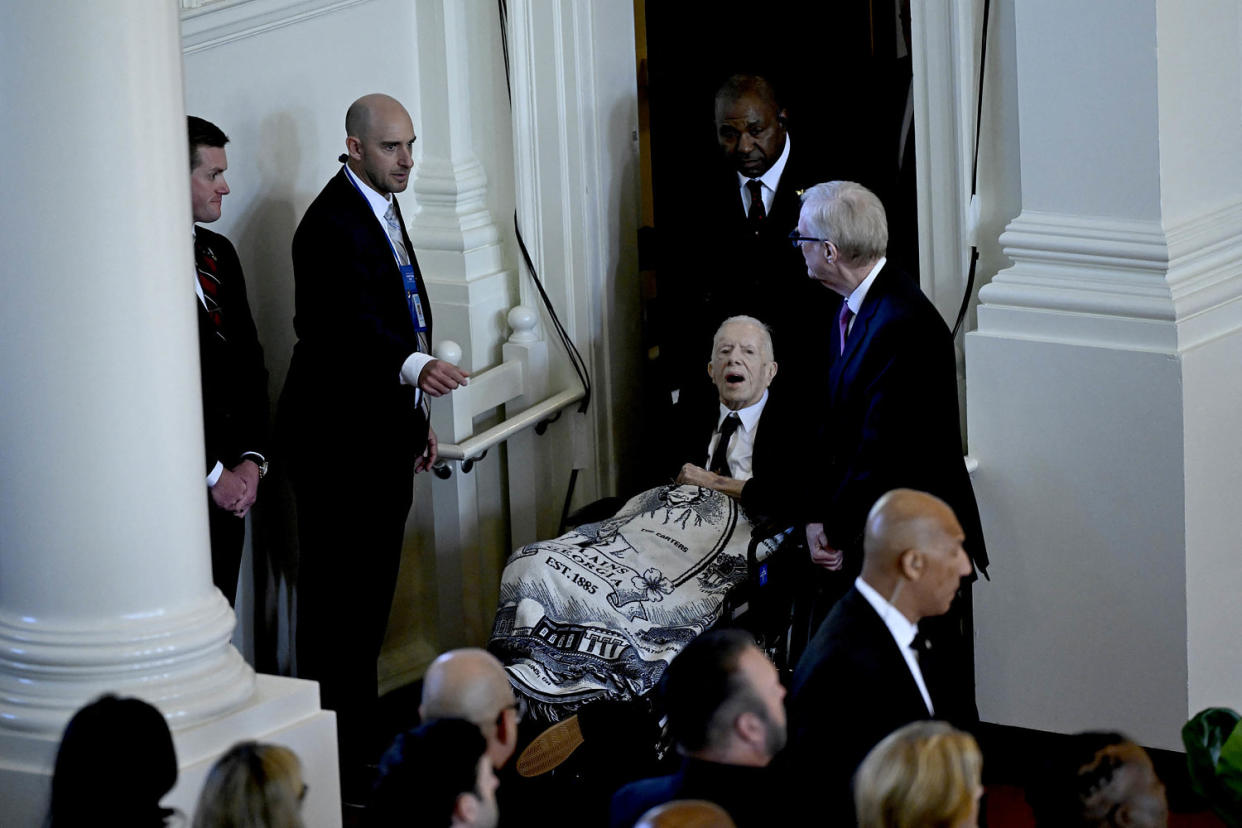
(282, 710)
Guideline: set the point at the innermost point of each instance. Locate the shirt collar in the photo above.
(379, 203)
(748, 415)
(899, 626)
(772, 177)
(860, 293)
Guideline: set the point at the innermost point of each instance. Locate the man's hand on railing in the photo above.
(428, 458)
(439, 377)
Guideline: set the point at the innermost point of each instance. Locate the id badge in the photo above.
(415, 301)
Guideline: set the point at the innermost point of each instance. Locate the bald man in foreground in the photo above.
(353, 416)
(471, 684)
(864, 674)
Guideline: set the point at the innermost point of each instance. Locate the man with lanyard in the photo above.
(354, 418)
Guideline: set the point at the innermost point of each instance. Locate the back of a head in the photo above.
(850, 216)
(1101, 779)
(468, 683)
(252, 786)
(423, 773)
(923, 775)
(699, 684)
(901, 520)
(115, 763)
(686, 813)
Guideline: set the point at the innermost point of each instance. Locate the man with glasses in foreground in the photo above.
(471, 684)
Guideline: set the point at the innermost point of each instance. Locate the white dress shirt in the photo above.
(903, 633)
(770, 180)
(415, 362)
(855, 299)
(742, 443)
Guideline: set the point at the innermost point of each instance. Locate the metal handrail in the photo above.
(475, 446)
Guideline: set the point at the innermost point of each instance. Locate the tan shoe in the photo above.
(550, 748)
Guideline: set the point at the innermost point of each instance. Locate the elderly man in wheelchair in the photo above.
(598, 613)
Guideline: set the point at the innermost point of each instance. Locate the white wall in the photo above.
(1102, 380)
(1213, 523)
(281, 95)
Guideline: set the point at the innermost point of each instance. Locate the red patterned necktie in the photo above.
(757, 213)
(843, 323)
(209, 280)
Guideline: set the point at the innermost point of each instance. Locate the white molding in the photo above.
(180, 662)
(452, 216)
(1118, 283)
(557, 163)
(205, 25)
(943, 54)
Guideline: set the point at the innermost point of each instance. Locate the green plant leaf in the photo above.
(1213, 741)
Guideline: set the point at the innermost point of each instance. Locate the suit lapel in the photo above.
(886, 648)
(860, 331)
(379, 246)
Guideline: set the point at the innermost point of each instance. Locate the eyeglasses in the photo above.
(797, 240)
(519, 708)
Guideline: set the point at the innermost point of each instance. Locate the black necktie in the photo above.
(757, 213)
(719, 462)
(921, 646)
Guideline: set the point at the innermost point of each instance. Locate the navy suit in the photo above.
(744, 792)
(234, 385)
(851, 688)
(352, 432)
(893, 423)
(892, 417)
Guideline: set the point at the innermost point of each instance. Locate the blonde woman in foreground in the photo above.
(923, 775)
(253, 786)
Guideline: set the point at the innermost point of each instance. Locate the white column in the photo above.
(575, 144)
(457, 241)
(1103, 382)
(105, 570)
(104, 553)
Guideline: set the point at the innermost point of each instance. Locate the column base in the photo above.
(282, 710)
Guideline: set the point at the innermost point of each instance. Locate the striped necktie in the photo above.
(403, 258)
(205, 268)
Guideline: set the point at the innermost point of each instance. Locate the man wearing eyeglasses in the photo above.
(891, 417)
(471, 684)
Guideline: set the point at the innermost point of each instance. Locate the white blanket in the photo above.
(600, 611)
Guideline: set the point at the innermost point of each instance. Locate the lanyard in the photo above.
(407, 270)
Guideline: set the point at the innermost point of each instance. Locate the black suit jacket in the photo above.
(744, 792)
(724, 266)
(233, 375)
(773, 463)
(851, 688)
(892, 417)
(343, 395)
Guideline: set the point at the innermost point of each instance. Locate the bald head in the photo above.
(379, 138)
(912, 552)
(471, 684)
(367, 110)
